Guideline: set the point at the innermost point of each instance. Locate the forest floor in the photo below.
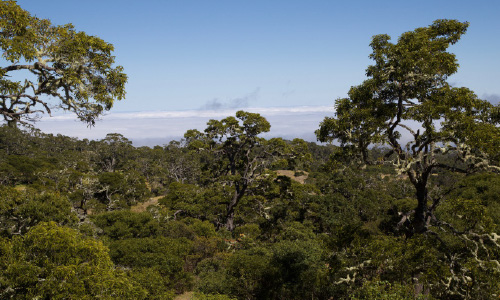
(185, 296)
(141, 207)
(288, 173)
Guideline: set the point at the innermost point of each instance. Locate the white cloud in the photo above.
(159, 127)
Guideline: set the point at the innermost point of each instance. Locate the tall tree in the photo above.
(239, 155)
(59, 63)
(407, 104)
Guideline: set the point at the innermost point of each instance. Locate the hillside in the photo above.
(338, 229)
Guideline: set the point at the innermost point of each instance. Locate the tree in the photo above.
(21, 210)
(408, 85)
(239, 155)
(70, 66)
(113, 151)
(55, 262)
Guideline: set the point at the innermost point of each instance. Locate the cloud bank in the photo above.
(149, 128)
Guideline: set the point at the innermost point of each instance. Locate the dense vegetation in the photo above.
(227, 214)
(102, 218)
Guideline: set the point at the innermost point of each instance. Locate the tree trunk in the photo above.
(230, 221)
(238, 194)
(419, 223)
(12, 123)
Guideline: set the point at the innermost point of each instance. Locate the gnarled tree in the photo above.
(239, 157)
(407, 104)
(63, 69)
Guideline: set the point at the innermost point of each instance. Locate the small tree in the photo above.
(58, 62)
(56, 262)
(408, 85)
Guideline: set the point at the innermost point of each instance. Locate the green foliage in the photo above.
(238, 156)
(21, 210)
(483, 192)
(53, 262)
(124, 224)
(299, 269)
(203, 228)
(158, 287)
(384, 290)
(165, 251)
(408, 83)
(165, 256)
(113, 151)
(71, 66)
(190, 200)
(202, 296)
(226, 225)
(285, 270)
(251, 231)
(336, 236)
(120, 190)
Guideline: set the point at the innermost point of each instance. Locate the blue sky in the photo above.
(191, 55)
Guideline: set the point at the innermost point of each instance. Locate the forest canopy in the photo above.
(227, 214)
